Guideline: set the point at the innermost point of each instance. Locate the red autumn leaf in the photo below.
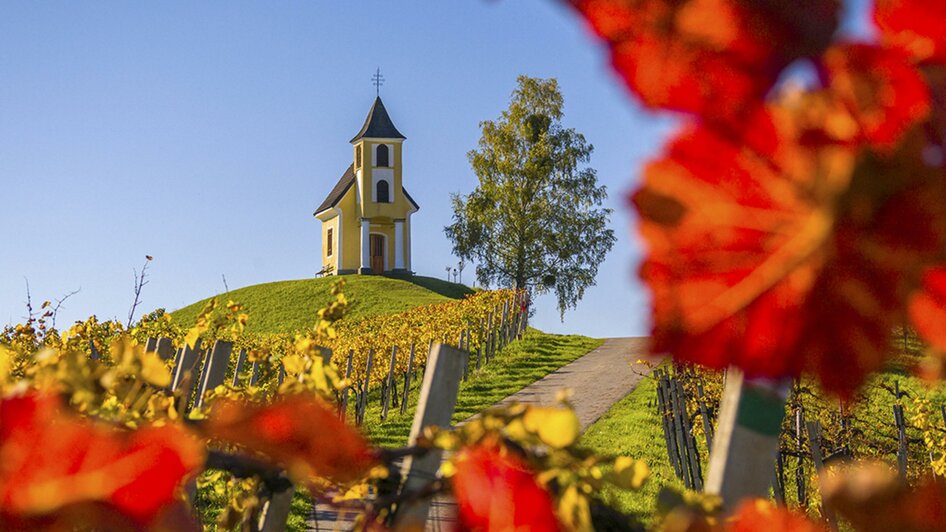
(51, 459)
(755, 514)
(872, 498)
(496, 491)
(778, 256)
(884, 93)
(714, 58)
(916, 26)
(300, 432)
(928, 307)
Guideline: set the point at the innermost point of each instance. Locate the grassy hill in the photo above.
(286, 306)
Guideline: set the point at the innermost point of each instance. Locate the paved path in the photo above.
(598, 379)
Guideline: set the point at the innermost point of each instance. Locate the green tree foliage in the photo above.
(535, 220)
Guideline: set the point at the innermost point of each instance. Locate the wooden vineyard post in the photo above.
(185, 362)
(479, 347)
(275, 510)
(438, 398)
(241, 360)
(466, 368)
(254, 375)
(343, 407)
(901, 435)
(164, 348)
(389, 384)
(407, 381)
(814, 441)
(693, 457)
(362, 403)
(215, 370)
(663, 405)
(704, 415)
(746, 439)
(800, 491)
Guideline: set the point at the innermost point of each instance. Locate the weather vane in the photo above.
(378, 80)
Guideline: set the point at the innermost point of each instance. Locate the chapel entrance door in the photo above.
(376, 243)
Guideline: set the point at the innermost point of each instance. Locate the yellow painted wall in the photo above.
(351, 230)
(326, 259)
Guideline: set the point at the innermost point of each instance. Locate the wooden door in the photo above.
(377, 253)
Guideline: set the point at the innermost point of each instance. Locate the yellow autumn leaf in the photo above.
(6, 364)
(294, 364)
(574, 511)
(154, 371)
(193, 335)
(628, 473)
(556, 427)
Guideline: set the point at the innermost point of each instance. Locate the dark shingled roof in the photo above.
(339, 190)
(344, 183)
(378, 124)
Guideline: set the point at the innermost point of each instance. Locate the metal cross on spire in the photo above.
(378, 80)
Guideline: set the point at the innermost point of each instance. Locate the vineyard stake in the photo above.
(389, 384)
(800, 490)
(438, 399)
(347, 390)
(407, 381)
(164, 348)
(241, 359)
(696, 475)
(215, 369)
(186, 358)
(254, 376)
(746, 439)
(814, 442)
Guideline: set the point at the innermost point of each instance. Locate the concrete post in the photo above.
(398, 245)
(365, 246)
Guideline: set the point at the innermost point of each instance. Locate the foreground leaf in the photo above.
(782, 256)
(872, 498)
(916, 26)
(299, 431)
(714, 58)
(51, 460)
(496, 491)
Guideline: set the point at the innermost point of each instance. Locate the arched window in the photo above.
(382, 155)
(382, 194)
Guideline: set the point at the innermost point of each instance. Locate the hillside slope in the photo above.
(286, 306)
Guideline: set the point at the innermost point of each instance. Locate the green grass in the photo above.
(521, 363)
(288, 306)
(632, 428)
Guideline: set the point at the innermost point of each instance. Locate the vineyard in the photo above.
(159, 363)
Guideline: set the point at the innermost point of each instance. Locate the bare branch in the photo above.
(59, 303)
(140, 282)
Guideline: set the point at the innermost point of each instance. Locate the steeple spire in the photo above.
(378, 124)
(378, 80)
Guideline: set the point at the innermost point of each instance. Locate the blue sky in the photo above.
(206, 133)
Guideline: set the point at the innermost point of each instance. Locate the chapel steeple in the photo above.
(366, 216)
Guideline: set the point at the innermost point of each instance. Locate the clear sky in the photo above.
(206, 133)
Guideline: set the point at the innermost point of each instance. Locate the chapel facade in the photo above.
(366, 217)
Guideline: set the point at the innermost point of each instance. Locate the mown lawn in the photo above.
(288, 306)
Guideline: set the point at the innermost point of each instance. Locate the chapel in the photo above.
(366, 217)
